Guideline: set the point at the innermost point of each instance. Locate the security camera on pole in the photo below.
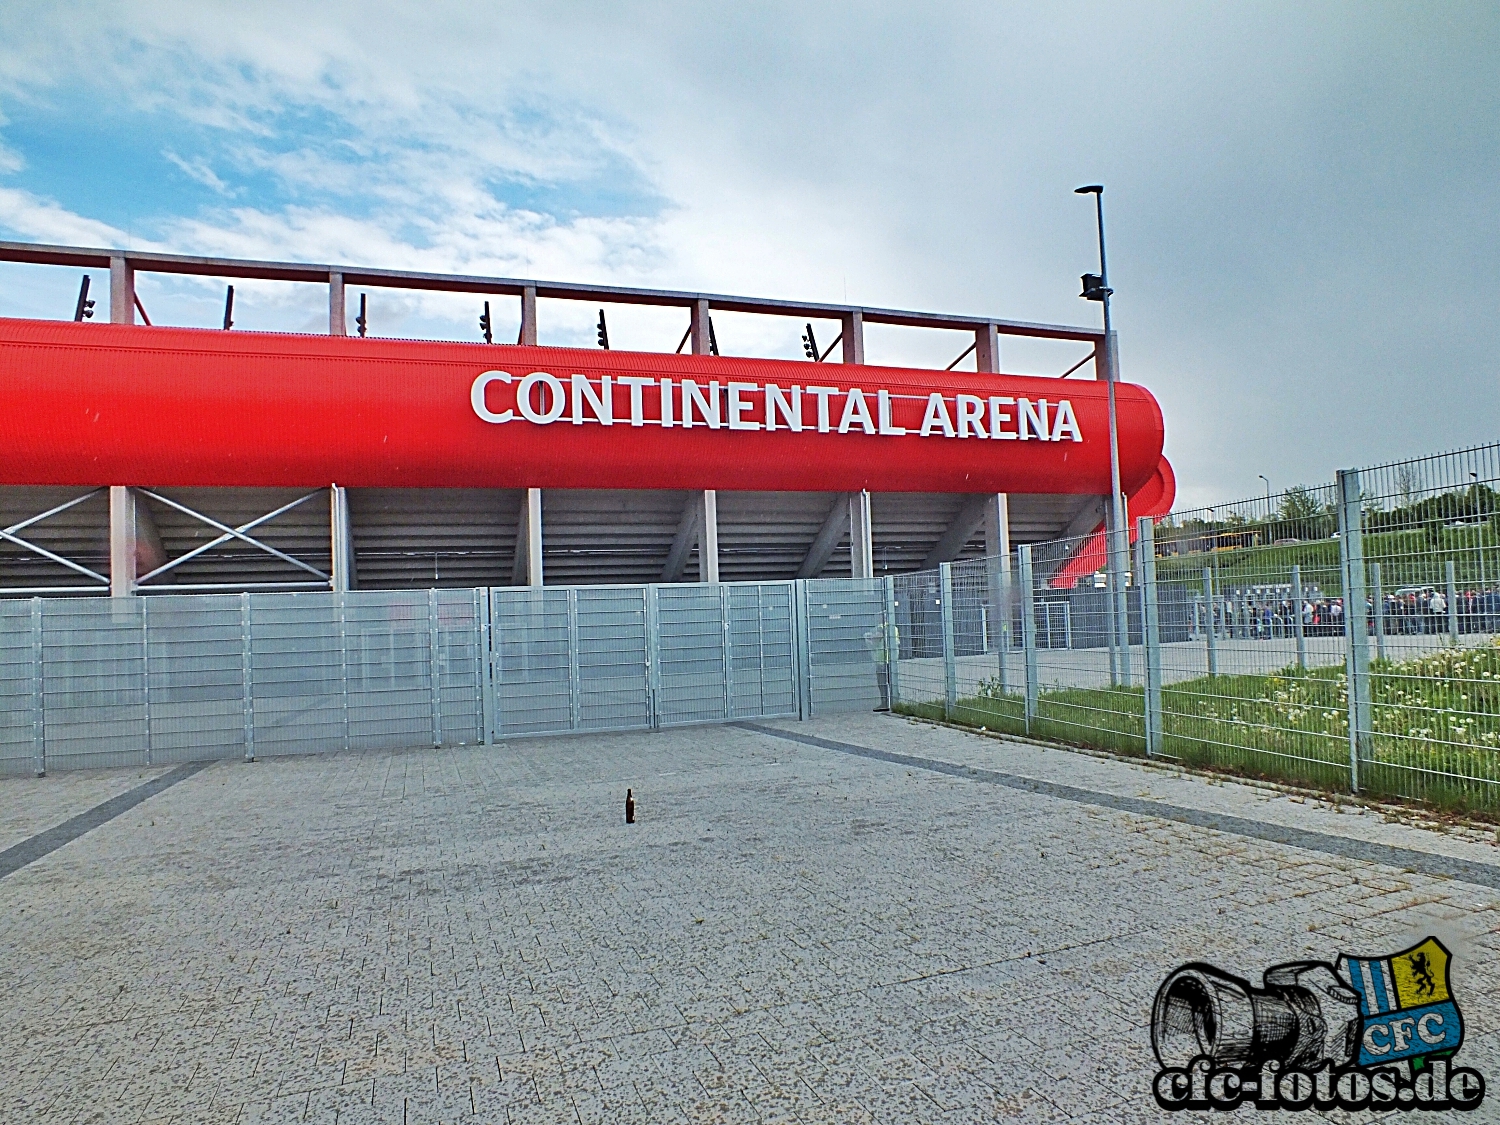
(1096, 288)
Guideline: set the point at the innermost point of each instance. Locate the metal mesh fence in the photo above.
(1342, 635)
(1242, 630)
(150, 681)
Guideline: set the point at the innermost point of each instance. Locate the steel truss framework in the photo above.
(99, 582)
(150, 582)
(323, 580)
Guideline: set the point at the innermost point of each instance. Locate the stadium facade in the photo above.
(138, 458)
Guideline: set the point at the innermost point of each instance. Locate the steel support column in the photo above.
(342, 547)
(708, 543)
(997, 558)
(987, 349)
(528, 317)
(533, 520)
(1028, 634)
(123, 544)
(121, 291)
(861, 539)
(338, 324)
(698, 329)
(854, 336)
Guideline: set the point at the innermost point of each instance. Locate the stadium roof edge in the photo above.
(149, 262)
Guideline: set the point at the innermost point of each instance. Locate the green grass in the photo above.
(1438, 713)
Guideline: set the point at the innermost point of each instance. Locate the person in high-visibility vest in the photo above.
(884, 643)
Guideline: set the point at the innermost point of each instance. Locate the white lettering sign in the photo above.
(542, 398)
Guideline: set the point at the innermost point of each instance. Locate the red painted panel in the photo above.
(114, 404)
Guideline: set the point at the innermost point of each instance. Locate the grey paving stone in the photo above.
(789, 934)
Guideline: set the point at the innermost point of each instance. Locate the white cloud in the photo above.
(1297, 200)
(199, 172)
(46, 221)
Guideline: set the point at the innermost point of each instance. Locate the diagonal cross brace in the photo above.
(9, 534)
(232, 533)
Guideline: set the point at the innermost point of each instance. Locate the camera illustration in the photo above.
(1302, 1017)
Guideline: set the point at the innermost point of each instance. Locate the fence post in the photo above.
(999, 618)
(344, 663)
(1452, 601)
(1208, 600)
(804, 649)
(38, 700)
(950, 664)
(653, 657)
(1150, 631)
(727, 649)
(893, 644)
(1298, 629)
(1357, 660)
(1028, 635)
(247, 677)
(1377, 603)
(146, 677)
(574, 708)
(483, 628)
(434, 673)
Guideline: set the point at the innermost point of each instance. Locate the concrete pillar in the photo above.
(854, 337)
(337, 324)
(343, 541)
(861, 545)
(135, 546)
(532, 518)
(122, 541)
(997, 553)
(987, 349)
(699, 329)
(528, 318)
(708, 545)
(121, 291)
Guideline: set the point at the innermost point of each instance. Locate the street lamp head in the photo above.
(1089, 189)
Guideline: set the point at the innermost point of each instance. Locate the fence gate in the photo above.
(599, 658)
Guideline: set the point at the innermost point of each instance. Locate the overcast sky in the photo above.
(1303, 200)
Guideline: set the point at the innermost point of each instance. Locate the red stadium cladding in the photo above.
(94, 404)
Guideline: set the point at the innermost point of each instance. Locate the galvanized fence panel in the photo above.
(460, 658)
(20, 685)
(388, 640)
(762, 650)
(299, 688)
(612, 658)
(531, 653)
(1431, 547)
(93, 683)
(921, 672)
(846, 624)
(694, 676)
(195, 697)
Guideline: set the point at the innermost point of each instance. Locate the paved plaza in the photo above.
(854, 919)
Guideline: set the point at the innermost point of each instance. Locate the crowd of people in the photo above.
(1422, 610)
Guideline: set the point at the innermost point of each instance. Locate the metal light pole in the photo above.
(1097, 289)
